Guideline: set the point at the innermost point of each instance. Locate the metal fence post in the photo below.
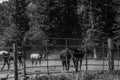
(103, 53)
(15, 62)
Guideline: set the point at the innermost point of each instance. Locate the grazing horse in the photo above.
(77, 55)
(65, 56)
(35, 58)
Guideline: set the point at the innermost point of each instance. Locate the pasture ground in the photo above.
(90, 75)
(56, 67)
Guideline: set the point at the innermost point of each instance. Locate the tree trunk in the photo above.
(15, 62)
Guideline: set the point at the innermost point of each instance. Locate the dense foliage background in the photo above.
(88, 20)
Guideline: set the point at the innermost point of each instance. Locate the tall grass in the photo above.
(82, 76)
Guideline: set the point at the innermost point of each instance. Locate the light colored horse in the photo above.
(35, 58)
(6, 58)
(3, 52)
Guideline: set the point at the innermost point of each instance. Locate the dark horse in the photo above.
(65, 56)
(20, 58)
(77, 55)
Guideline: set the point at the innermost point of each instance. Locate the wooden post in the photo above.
(103, 53)
(86, 58)
(47, 57)
(86, 41)
(15, 62)
(111, 55)
(24, 57)
(118, 55)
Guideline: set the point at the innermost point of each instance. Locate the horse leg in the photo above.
(63, 64)
(32, 62)
(20, 63)
(40, 61)
(80, 64)
(75, 64)
(63, 67)
(36, 63)
(68, 64)
(8, 63)
(3, 65)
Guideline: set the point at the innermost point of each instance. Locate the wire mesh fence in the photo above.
(97, 57)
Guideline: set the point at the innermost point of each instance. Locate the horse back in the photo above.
(35, 56)
(78, 54)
